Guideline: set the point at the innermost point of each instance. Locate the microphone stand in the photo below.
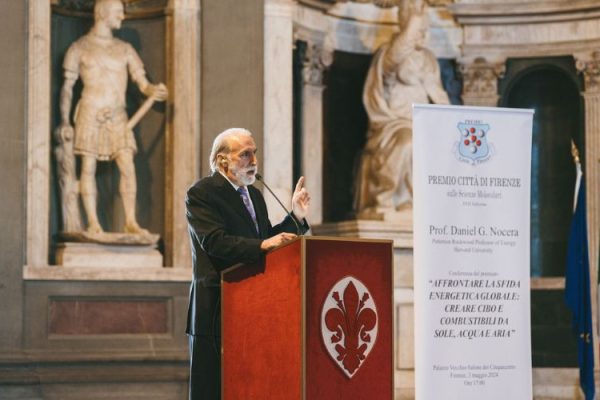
(260, 178)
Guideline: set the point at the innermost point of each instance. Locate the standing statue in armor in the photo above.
(102, 130)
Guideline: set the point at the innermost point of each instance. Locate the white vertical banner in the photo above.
(471, 177)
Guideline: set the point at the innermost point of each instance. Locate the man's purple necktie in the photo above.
(243, 191)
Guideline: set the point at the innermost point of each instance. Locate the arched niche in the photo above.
(146, 32)
(177, 23)
(552, 87)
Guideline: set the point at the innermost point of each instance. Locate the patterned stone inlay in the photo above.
(108, 316)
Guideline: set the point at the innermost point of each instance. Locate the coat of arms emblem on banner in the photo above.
(349, 324)
(473, 146)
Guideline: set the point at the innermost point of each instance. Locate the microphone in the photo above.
(260, 178)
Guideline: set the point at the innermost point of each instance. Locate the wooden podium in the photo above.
(313, 321)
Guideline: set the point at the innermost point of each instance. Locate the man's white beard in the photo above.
(242, 175)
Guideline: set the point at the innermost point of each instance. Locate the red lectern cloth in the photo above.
(327, 262)
(261, 341)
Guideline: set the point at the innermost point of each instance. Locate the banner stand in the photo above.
(471, 177)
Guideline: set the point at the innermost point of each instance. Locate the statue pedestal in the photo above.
(72, 254)
(106, 249)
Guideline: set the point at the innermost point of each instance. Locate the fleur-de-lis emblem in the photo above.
(349, 324)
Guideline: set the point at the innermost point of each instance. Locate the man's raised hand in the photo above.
(300, 200)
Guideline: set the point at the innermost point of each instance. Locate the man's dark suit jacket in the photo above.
(222, 234)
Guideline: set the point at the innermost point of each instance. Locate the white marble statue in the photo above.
(102, 131)
(402, 72)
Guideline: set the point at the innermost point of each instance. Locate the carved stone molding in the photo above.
(133, 8)
(589, 65)
(439, 3)
(277, 116)
(316, 61)
(88, 5)
(493, 12)
(380, 3)
(480, 80)
(362, 28)
(38, 129)
(318, 56)
(393, 3)
(183, 127)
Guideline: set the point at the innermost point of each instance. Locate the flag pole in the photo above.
(578, 285)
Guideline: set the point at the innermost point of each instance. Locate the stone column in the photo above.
(589, 65)
(277, 147)
(38, 133)
(317, 60)
(183, 130)
(480, 82)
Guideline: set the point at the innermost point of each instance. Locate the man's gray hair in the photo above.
(221, 145)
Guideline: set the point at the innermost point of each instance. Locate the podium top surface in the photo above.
(342, 239)
(331, 238)
(303, 239)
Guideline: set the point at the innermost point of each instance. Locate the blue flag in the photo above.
(578, 294)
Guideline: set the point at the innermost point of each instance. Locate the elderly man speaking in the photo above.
(228, 224)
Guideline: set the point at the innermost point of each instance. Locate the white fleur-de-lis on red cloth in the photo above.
(349, 324)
